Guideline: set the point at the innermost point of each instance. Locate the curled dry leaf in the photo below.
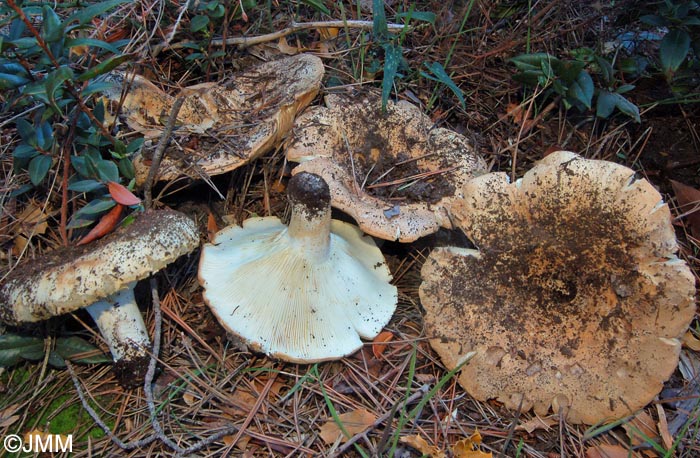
(640, 428)
(609, 451)
(689, 340)
(378, 344)
(420, 444)
(106, 225)
(536, 423)
(353, 422)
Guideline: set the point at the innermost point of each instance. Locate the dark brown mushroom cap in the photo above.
(351, 143)
(221, 126)
(575, 298)
(70, 278)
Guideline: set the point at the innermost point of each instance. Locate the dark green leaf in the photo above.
(11, 81)
(627, 107)
(199, 22)
(423, 16)
(134, 145)
(96, 206)
(83, 15)
(126, 168)
(24, 151)
(96, 87)
(26, 131)
(673, 49)
(52, 29)
(38, 168)
(379, 25)
(44, 135)
(85, 186)
(15, 348)
(392, 57)
(606, 70)
(532, 61)
(71, 348)
(317, 5)
(55, 81)
(582, 89)
(107, 171)
(625, 88)
(441, 75)
(104, 67)
(79, 163)
(528, 77)
(55, 360)
(653, 20)
(81, 220)
(21, 190)
(92, 42)
(568, 70)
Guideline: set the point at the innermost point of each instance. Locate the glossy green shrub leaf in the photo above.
(15, 348)
(85, 186)
(126, 168)
(199, 22)
(423, 16)
(54, 81)
(26, 131)
(628, 108)
(605, 104)
(44, 135)
(24, 151)
(91, 42)
(104, 67)
(96, 206)
(532, 61)
(52, 28)
(88, 13)
(673, 50)
(74, 349)
(134, 145)
(12, 81)
(38, 168)
(107, 171)
(582, 89)
(380, 29)
(441, 76)
(21, 190)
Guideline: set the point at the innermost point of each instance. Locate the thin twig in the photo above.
(160, 150)
(416, 177)
(244, 42)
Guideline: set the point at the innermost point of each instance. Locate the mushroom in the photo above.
(391, 171)
(305, 292)
(220, 126)
(100, 278)
(574, 300)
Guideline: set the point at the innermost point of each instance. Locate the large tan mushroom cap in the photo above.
(352, 145)
(575, 299)
(70, 278)
(221, 126)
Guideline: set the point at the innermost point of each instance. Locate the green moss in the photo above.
(64, 418)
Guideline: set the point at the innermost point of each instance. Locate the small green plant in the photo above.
(16, 348)
(571, 81)
(52, 72)
(682, 19)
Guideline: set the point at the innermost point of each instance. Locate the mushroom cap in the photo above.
(222, 126)
(575, 298)
(262, 287)
(70, 278)
(379, 141)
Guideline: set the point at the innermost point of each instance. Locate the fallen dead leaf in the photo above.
(690, 341)
(354, 422)
(378, 344)
(189, 398)
(689, 202)
(536, 423)
(608, 451)
(422, 446)
(470, 447)
(640, 426)
(7, 415)
(285, 48)
(212, 227)
(121, 194)
(662, 426)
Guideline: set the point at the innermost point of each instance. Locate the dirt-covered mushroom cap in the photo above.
(100, 277)
(391, 171)
(305, 292)
(220, 126)
(574, 299)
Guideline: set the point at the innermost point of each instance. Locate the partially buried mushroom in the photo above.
(100, 278)
(220, 126)
(574, 300)
(392, 171)
(305, 292)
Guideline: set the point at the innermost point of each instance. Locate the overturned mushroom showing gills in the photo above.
(574, 300)
(391, 171)
(305, 292)
(100, 277)
(221, 126)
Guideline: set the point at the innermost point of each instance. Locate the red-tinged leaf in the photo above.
(121, 195)
(689, 202)
(378, 346)
(106, 225)
(212, 227)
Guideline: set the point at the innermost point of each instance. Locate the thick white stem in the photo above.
(121, 324)
(311, 233)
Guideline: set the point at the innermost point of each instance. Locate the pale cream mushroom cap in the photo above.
(233, 122)
(68, 279)
(322, 136)
(575, 298)
(292, 295)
